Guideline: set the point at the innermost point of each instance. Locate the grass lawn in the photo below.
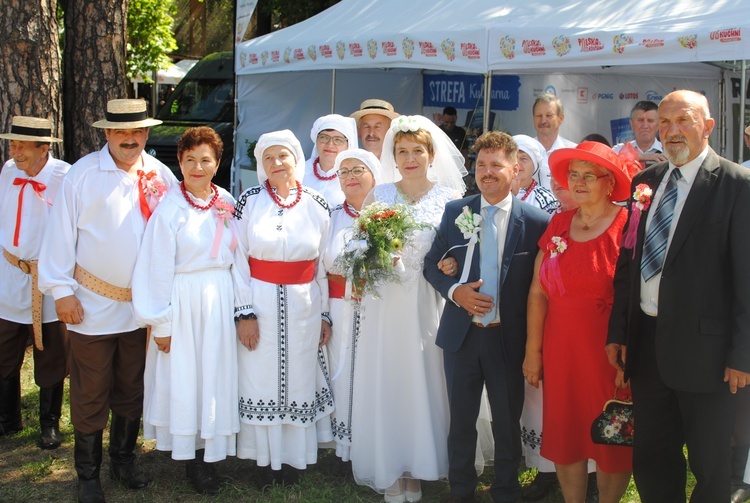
(28, 474)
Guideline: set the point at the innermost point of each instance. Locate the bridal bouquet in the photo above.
(379, 234)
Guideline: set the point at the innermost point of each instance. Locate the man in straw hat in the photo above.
(373, 120)
(28, 184)
(86, 264)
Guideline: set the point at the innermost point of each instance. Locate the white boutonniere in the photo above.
(468, 222)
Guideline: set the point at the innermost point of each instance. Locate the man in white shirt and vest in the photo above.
(86, 264)
(28, 185)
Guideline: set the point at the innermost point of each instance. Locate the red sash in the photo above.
(336, 286)
(282, 273)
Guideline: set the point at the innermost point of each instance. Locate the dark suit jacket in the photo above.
(703, 324)
(525, 227)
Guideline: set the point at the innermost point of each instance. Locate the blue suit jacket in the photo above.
(525, 228)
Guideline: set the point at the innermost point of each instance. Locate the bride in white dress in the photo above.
(400, 409)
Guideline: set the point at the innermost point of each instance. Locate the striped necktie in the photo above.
(655, 245)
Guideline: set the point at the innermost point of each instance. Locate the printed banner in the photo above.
(465, 91)
(245, 9)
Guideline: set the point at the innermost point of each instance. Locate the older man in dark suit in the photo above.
(682, 308)
(483, 327)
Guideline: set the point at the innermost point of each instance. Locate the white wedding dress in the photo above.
(400, 406)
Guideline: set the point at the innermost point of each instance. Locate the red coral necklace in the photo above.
(529, 190)
(196, 205)
(316, 164)
(349, 210)
(277, 199)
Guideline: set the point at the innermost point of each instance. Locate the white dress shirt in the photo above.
(330, 189)
(15, 285)
(501, 222)
(650, 288)
(96, 222)
(543, 175)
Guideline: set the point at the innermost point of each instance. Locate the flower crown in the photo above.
(405, 124)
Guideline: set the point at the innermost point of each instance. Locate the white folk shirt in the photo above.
(179, 240)
(329, 189)
(650, 288)
(543, 175)
(15, 285)
(97, 223)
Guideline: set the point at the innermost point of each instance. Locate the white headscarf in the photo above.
(368, 158)
(344, 125)
(284, 138)
(533, 148)
(447, 168)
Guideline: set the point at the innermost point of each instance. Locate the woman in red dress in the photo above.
(569, 305)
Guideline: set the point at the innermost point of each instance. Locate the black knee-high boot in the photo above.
(10, 405)
(50, 408)
(88, 461)
(123, 435)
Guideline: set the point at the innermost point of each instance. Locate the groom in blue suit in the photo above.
(483, 327)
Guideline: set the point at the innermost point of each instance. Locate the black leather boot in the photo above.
(10, 405)
(123, 434)
(50, 408)
(88, 461)
(202, 475)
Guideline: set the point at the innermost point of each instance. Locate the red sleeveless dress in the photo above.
(578, 379)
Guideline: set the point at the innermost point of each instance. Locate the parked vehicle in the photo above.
(204, 97)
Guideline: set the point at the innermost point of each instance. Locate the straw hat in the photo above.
(30, 129)
(375, 106)
(126, 114)
(596, 153)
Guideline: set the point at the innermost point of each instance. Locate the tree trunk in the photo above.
(29, 65)
(94, 69)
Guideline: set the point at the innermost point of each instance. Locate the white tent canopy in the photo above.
(476, 36)
(359, 49)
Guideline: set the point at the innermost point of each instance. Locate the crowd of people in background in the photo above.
(227, 328)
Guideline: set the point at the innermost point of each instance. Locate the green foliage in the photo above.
(288, 12)
(150, 36)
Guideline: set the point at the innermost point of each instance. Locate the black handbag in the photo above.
(614, 426)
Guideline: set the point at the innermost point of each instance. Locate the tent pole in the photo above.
(333, 89)
(487, 101)
(743, 94)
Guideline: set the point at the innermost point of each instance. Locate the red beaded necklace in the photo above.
(277, 199)
(317, 174)
(351, 212)
(529, 190)
(196, 205)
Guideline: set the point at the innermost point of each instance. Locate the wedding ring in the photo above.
(475, 308)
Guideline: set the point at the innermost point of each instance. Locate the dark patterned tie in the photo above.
(655, 245)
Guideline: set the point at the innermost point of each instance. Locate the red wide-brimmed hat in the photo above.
(596, 153)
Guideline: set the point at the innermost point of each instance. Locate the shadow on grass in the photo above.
(29, 474)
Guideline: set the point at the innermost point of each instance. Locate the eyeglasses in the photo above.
(354, 172)
(337, 140)
(587, 178)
